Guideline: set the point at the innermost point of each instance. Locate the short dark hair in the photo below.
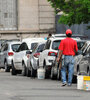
(49, 34)
(69, 35)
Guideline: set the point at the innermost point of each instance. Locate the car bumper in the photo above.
(9, 61)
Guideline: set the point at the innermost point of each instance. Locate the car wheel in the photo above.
(52, 73)
(13, 72)
(58, 74)
(23, 69)
(28, 73)
(46, 71)
(88, 71)
(7, 68)
(33, 72)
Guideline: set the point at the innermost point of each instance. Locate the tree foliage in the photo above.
(74, 11)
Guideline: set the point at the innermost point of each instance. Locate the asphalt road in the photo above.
(25, 88)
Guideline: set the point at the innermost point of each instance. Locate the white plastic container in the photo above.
(86, 85)
(41, 73)
(80, 82)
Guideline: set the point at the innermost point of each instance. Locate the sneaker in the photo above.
(69, 84)
(64, 84)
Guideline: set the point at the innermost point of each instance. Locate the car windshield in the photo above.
(15, 47)
(80, 44)
(55, 44)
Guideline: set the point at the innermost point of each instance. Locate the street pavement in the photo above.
(24, 88)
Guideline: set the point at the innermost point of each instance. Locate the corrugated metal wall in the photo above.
(77, 29)
(8, 15)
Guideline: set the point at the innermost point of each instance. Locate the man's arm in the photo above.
(59, 56)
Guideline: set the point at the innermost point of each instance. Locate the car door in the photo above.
(43, 54)
(85, 62)
(19, 55)
(36, 55)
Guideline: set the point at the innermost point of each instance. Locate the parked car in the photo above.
(7, 52)
(48, 54)
(32, 62)
(84, 55)
(19, 62)
(84, 64)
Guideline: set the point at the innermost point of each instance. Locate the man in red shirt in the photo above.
(67, 49)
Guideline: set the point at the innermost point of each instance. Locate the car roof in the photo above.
(73, 35)
(28, 40)
(61, 38)
(14, 42)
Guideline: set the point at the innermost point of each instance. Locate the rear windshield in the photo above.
(15, 47)
(34, 46)
(55, 44)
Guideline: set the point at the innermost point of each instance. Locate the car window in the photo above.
(83, 48)
(34, 46)
(40, 48)
(55, 44)
(23, 47)
(88, 49)
(5, 47)
(47, 45)
(2, 48)
(15, 47)
(80, 44)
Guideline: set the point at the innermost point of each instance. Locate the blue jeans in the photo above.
(68, 62)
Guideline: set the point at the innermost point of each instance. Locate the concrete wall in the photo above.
(35, 18)
(28, 15)
(35, 15)
(46, 16)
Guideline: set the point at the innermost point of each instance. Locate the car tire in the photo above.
(13, 72)
(88, 71)
(46, 71)
(23, 69)
(33, 72)
(7, 68)
(52, 74)
(28, 72)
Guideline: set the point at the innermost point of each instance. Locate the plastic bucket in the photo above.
(79, 82)
(86, 83)
(41, 73)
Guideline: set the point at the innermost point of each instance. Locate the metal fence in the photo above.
(77, 29)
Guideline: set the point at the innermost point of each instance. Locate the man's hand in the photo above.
(57, 59)
(60, 54)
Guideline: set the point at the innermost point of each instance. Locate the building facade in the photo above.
(26, 18)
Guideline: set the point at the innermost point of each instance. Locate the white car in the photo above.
(7, 52)
(48, 54)
(32, 62)
(19, 63)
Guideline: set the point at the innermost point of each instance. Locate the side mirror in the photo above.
(29, 52)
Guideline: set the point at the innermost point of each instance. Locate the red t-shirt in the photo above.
(68, 46)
